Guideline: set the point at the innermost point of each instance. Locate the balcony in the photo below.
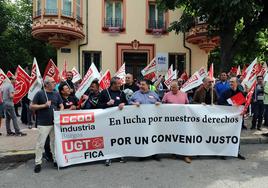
(198, 35)
(156, 27)
(56, 26)
(113, 25)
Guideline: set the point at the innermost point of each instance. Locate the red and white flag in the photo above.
(36, 81)
(105, 80)
(184, 76)
(195, 80)
(52, 71)
(171, 75)
(238, 72)
(76, 75)
(254, 73)
(91, 75)
(150, 68)
(249, 72)
(22, 84)
(249, 96)
(237, 99)
(9, 74)
(3, 77)
(211, 72)
(64, 71)
(121, 73)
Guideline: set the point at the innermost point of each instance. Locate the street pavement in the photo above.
(169, 172)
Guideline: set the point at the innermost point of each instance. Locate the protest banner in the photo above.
(150, 68)
(190, 130)
(162, 62)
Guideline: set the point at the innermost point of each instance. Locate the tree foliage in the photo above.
(17, 46)
(241, 25)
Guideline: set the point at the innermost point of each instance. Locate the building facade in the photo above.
(112, 32)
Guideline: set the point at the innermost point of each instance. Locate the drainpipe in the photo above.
(83, 44)
(190, 53)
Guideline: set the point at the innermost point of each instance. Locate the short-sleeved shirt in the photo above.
(69, 101)
(179, 98)
(149, 97)
(8, 88)
(46, 116)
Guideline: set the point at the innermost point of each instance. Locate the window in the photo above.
(178, 61)
(156, 17)
(78, 10)
(51, 7)
(67, 8)
(113, 13)
(38, 8)
(90, 57)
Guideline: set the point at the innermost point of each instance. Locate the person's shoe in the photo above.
(55, 165)
(37, 168)
(122, 160)
(11, 134)
(259, 129)
(239, 156)
(187, 160)
(20, 134)
(223, 157)
(265, 134)
(30, 126)
(253, 128)
(108, 162)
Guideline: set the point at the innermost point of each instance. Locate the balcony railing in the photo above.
(67, 13)
(113, 22)
(156, 24)
(51, 11)
(37, 13)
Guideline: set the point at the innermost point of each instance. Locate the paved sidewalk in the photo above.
(20, 147)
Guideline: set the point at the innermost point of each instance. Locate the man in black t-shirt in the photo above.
(44, 104)
(130, 86)
(69, 102)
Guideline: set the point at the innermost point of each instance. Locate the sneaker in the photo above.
(122, 160)
(11, 134)
(55, 165)
(30, 126)
(20, 134)
(239, 156)
(37, 168)
(108, 162)
(187, 160)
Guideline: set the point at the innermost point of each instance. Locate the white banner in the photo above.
(190, 130)
(195, 80)
(36, 81)
(162, 62)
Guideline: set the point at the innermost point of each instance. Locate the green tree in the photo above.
(240, 24)
(17, 46)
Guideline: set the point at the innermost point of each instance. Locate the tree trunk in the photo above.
(226, 50)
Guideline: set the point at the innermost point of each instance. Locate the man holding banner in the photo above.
(44, 104)
(233, 96)
(111, 97)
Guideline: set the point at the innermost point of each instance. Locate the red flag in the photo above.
(211, 72)
(105, 80)
(9, 74)
(184, 76)
(249, 96)
(3, 77)
(22, 85)
(233, 70)
(64, 72)
(52, 71)
(151, 76)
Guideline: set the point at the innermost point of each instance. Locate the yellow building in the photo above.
(111, 32)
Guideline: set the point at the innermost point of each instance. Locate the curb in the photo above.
(25, 155)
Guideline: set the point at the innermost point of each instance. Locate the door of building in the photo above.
(135, 62)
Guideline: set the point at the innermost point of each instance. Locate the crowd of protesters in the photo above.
(62, 97)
